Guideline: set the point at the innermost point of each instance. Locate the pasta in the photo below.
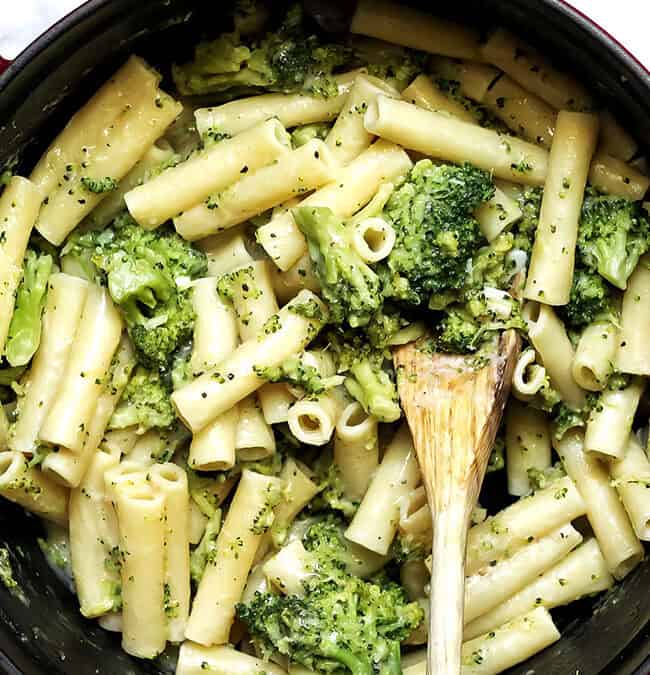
(388, 21)
(348, 138)
(631, 474)
(375, 523)
(205, 173)
(553, 257)
(633, 355)
(440, 136)
(616, 538)
(193, 659)
(614, 177)
(583, 572)
(290, 109)
(528, 376)
(104, 149)
(294, 173)
(594, 355)
(312, 421)
(528, 446)
(423, 93)
(213, 610)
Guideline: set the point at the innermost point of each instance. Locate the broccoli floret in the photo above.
(497, 456)
(349, 286)
(331, 495)
(341, 623)
(367, 381)
(408, 547)
(290, 59)
(298, 374)
(145, 403)
(25, 328)
(591, 298)
(307, 132)
(530, 203)
(206, 551)
(613, 234)
(147, 274)
(437, 234)
(566, 418)
(99, 185)
(542, 479)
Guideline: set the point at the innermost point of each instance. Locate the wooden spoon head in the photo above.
(453, 407)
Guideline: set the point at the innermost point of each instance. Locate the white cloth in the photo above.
(21, 21)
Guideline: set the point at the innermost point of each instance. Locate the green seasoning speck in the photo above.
(7, 575)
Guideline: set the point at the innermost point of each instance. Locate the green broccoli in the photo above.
(148, 275)
(437, 234)
(331, 494)
(566, 418)
(25, 328)
(591, 298)
(145, 403)
(99, 185)
(613, 234)
(367, 381)
(542, 479)
(290, 59)
(530, 203)
(341, 623)
(206, 551)
(307, 132)
(351, 289)
(298, 374)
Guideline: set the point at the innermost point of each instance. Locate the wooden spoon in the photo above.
(454, 408)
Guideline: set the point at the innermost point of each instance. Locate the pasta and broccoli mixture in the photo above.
(199, 296)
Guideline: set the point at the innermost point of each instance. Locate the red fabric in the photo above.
(3, 64)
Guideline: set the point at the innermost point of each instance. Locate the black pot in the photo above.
(45, 634)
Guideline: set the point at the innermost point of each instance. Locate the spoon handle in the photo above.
(447, 595)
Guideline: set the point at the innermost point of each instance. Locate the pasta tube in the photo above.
(375, 523)
(633, 353)
(189, 183)
(614, 139)
(159, 155)
(497, 214)
(250, 514)
(30, 488)
(170, 481)
(225, 251)
(103, 159)
(65, 302)
(289, 568)
(215, 392)
(69, 419)
(19, 205)
(291, 110)
(312, 420)
(592, 362)
(631, 476)
(444, 137)
(356, 449)
(94, 539)
(401, 25)
(534, 73)
(293, 173)
(490, 587)
(373, 239)
(549, 337)
(550, 273)
(524, 113)
(68, 467)
(423, 93)
(528, 445)
(614, 177)
(610, 421)
(141, 521)
(616, 538)
(213, 447)
(215, 329)
(353, 187)
(300, 275)
(583, 572)
(194, 659)
(512, 528)
(528, 376)
(509, 644)
(254, 438)
(348, 137)
(474, 79)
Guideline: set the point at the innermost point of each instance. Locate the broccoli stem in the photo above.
(353, 663)
(393, 663)
(374, 390)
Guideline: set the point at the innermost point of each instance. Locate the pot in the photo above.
(42, 632)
